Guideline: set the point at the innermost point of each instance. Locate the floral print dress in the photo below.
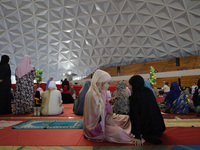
(24, 93)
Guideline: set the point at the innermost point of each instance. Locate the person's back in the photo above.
(55, 103)
(149, 112)
(175, 102)
(51, 101)
(145, 114)
(121, 104)
(66, 96)
(79, 102)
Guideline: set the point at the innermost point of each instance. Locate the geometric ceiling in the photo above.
(83, 35)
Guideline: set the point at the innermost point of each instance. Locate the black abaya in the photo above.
(145, 114)
(5, 86)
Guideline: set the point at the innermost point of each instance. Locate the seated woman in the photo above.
(79, 102)
(195, 102)
(98, 122)
(120, 105)
(72, 92)
(66, 96)
(51, 101)
(175, 102)
(146, 119)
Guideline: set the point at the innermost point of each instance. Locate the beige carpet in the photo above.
(4, 123)
(177, 122)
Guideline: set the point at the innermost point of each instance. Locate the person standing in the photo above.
(24, 89)
(5, 86)
(65, 82)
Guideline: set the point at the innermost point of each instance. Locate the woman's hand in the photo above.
(1, 80)
(137, 142)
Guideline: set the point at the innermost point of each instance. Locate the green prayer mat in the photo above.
(50, 124)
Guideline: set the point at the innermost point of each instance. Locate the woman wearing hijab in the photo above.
(98, 122)
(194, 104)
(146, 119)
(65, 82)
(175, 102)
(79, 102)
(66, 96)
(24, 89)
(121, 103)
(51, 101)
(72, 92)
(5, 86)
(148, 85)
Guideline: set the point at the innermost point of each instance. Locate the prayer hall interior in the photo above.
(73, 38)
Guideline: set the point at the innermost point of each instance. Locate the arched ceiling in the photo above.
(83, 35)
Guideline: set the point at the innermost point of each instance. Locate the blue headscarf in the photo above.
(148, 85)
(81, 97)
(173, 94)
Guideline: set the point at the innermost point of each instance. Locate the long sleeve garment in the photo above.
(145, 114)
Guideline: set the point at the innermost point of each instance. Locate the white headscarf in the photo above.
(52, 85)
(99, 77)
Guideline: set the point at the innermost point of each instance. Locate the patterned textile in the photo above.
(192, 107)
(24, 93)
(121, 104)
(50, 124)
(179, 106)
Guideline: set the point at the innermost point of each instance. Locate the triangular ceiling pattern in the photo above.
(83, 35)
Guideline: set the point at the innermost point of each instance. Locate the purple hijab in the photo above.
(174, 93)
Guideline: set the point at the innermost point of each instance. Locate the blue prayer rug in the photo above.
(50, 124)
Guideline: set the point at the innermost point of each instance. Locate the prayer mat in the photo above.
(182, 122)
(4, 123)
(50, 124)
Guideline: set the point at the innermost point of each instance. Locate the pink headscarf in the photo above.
(24, 67)
(98, 122)
(94, 106)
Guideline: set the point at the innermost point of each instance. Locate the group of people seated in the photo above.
(129, 118)
(136, 120)
(50, 101)
(131, 115)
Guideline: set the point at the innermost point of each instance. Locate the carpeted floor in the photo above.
(173, 137)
